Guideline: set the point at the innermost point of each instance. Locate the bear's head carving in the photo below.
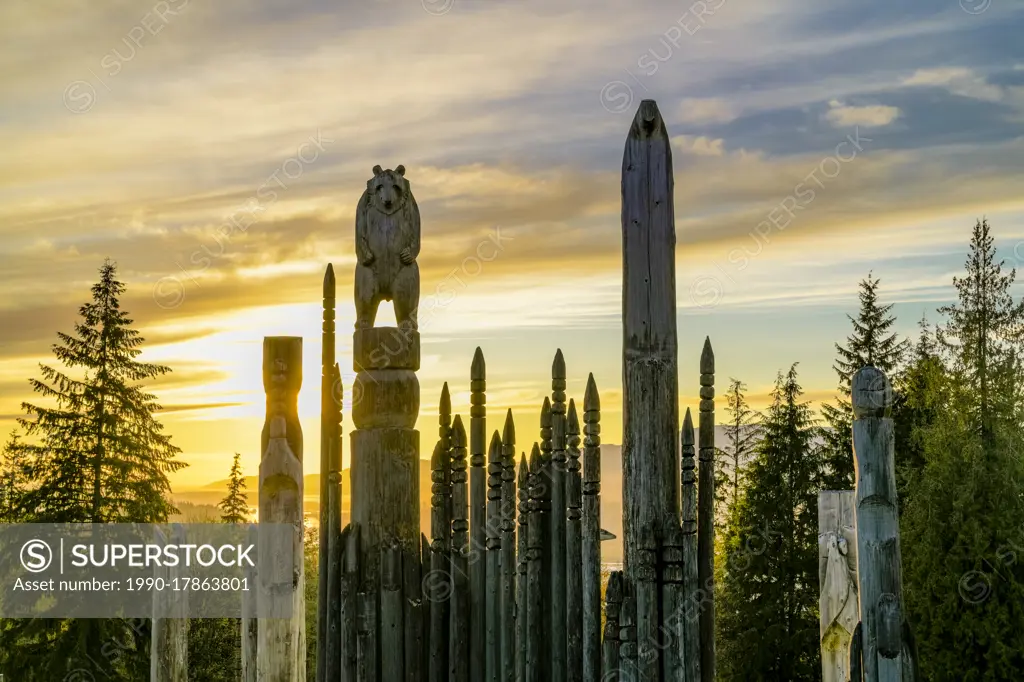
(388, 189)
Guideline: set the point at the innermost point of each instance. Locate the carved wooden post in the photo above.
(536, 615)
(439, 587)
(558, 520)
(169, 648)
(693, 596)
(350, 605)
(332, 667)
(706, 512)
(886, 643)
(492, 562)
(281, 655)
(673, 653)
(591, 569)
(327, 425)
(391, 614)
(249, 624)
(613, 609)
(647, 617)
(509, 653)
(522, 553)
(574, 552)
(477, 517)
(837, 576)
(629, 670)
(650, 368)
(458, 656)
(543, 519)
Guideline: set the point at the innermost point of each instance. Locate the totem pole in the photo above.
(837, 576)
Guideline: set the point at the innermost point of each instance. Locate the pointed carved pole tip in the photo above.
(458, 433)
(478, 371)
(329, 281)
(648, 122)
(688, 428)
(435, 459)
(535, 458)
(591, 399)
(508, 434)
(707, 358)
(545, 413)
(574, 420)
(558, 366)
(523, 471)
(495, 449)
(446, 400)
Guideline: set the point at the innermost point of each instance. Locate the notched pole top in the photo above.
(648, 123)
(445, 407)
(558, 366)
(591, 399)
(687, 437)
(329, 290)
(478, 372)
(707, 358)
(508, 435)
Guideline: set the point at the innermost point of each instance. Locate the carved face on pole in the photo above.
(388, 189)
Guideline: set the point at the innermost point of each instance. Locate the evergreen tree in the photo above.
(964, 520)
(768, 618)
(871, 343)
(97, 455)
(235, 505)
(742, 433)
(13, 480)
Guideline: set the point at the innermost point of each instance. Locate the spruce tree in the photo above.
(97, 454)
(768, 614)
(235, 506)
(964, 520)
(872, 343)
(742, 433)
(13, 480)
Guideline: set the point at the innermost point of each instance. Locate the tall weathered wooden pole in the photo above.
(522, 554)
(883, 642)
(591, 568)
(693, 598)
(249, 624)
(169, 648)
(509, 653)
(574, 551)
(477, 516)
(327, 426)
(837, 577)
(558, 520)
(492, 563)
(536, 615)
(706, 512)
(650, 366)
(542, 484)
(439, 587)
(281, 655)
(610, 649)
(458, 655)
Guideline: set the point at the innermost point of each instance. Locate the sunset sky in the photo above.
(135, 130)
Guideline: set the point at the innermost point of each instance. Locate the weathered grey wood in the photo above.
(492, 562)
(249, 630)
(169, 648)
(458, 655)
(886, 654)
(333, 649)
(650, 369)
(610, 647)
(509, 653)
(558, 520)
(522, 553)
(693, 596)
(427, 609)
(629, 670)
(574, 551)
(281, 651)
(837, 577)
(543, 519)
(392, 625)
(648, 621)
(706, 512)
(350, 605)
(591, 568)
(367, 660)
(477, 517)
(438, 585)
(536, 615)
(414, 627)
(673, 652)
(327, 424)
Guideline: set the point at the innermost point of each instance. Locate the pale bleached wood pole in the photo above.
(574, 551)
(477, 517)
(613, 609)
(522, 589)
(543, 519)
(458, 655)
(692, 595)
(509, 653)
(438, 585)
(837, 578)
(492, 562)
(886, 645)
(350, 605)
(706, 512)
(327, 404)
(558, 520)
(249, 624)
(536, 614)
(591, 568)
(650, 347)
(169, 648)
(281, 651)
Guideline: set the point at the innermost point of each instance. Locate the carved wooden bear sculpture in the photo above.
(387, 244)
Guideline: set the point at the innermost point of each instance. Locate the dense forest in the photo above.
(97, 453)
